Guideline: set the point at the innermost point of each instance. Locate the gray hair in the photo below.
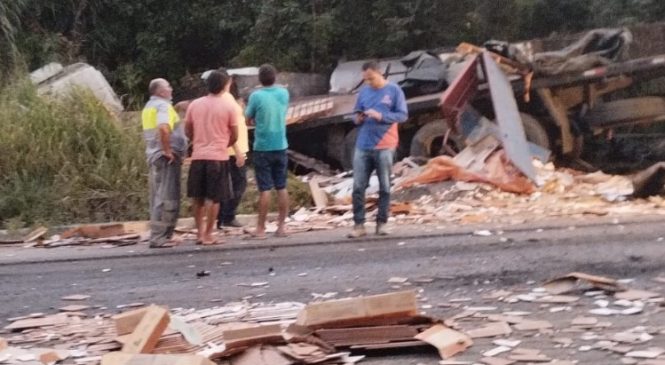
(155, 84)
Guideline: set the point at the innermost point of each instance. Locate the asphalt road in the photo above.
(461, 266)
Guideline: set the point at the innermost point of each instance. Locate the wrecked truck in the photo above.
(564, 96)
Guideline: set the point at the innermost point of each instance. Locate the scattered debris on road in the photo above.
(344, 331)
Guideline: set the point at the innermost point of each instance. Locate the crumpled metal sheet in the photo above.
(508, 117)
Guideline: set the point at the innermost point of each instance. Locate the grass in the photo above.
(69, 160)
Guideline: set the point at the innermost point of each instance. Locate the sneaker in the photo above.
(381, 229)
(234, 223)
(357, 232)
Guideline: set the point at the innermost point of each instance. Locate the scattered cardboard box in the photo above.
(148, 331)
(126, 322)
(496, 361)
(75, 297)
(38, 322)
(121, 358)
(35, 234)
(448, 341)
(358, 311)
(634, 294)
(491, 330)
(74, 308)
(568, 283)
(251, 336)
(532, 325)
(318, 195)
(96, 231)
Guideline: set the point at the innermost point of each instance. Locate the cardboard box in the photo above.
(358, 311)
(119, 358)
(126, 322)
(148, 331)
(253, 336)
(448, 341)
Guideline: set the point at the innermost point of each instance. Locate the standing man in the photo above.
(211, 124)
(266, 109)
(237, 158)
(166, 145)
(381, 105)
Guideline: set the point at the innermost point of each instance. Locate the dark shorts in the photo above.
(270, 169)
(209, 180)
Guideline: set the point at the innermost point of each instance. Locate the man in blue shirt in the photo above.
(266, 109)
(381, 105)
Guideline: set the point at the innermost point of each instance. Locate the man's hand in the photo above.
(360, 117)
(374, 114)
(241, 159)
(169, 156)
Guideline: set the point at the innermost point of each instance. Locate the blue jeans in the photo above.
(364, 163)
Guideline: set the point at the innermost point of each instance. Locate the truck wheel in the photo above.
(429, 138)
(349, 149)
(626, 111)
(428, 141)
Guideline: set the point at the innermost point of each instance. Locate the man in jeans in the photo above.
(238, 169)
(381, 105)
(166, 145)
(266, 109)
(211, 123)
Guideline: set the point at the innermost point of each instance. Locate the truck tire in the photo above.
(424, 143)
(349, 149)
(427, 141)
(626, 111)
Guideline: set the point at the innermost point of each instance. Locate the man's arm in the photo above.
(189, 126)
(359, 110)
(233, 127)
(234, 137)
(164, 131)
(165, 137)
(250, 112)
(398, 113)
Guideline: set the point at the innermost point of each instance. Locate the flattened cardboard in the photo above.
(569, 282)
(38, 322)
(261, 355)
(318, 195)
(491, 330)
(357, 311)
(634, 294)
(120, 358)
(448, 341)
(126, 322)
(246, 337)
(148, 331)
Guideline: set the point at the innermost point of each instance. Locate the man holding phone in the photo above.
(381, 105)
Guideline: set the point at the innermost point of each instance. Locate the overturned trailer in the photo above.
(563, 96)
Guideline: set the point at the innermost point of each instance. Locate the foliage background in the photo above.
(134, 41)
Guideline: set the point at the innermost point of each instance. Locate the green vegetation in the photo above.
(67, 160)
(134, 41)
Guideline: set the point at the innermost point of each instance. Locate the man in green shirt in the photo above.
(266, 109)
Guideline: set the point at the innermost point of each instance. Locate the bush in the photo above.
(67, 160)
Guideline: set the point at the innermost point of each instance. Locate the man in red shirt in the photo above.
(211, 124)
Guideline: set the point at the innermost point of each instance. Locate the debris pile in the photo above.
(499, 329)
(425, 194)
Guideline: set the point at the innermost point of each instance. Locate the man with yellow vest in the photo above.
(166, 145)
(237, 158)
